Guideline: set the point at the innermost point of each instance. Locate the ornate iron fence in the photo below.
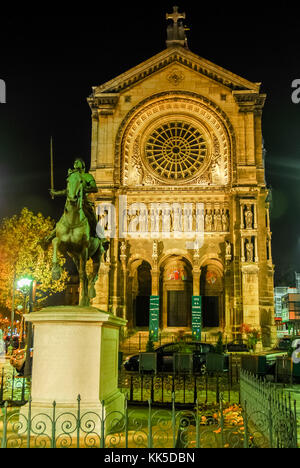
(13, 390)
(200, 427)
(188, 389)
(270, 416)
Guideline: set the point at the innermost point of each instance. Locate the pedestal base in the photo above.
(75, 354)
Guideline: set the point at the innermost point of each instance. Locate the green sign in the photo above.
(196, 317)
(154, 317)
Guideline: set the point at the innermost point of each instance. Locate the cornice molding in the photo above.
(178, 55)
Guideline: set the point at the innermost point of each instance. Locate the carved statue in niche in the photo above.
(177, 219)
(143, 215)
(215, 172)
(218, 221)
(137, 175)
(248, 217)
(249, 251)
(123, 249)
(166, 219)
(155, 220)
(228, 250)
(208, 221)
(225, 221)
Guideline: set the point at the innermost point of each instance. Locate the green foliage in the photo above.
(22, 255)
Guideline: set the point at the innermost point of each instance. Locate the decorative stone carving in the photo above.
(175, 77)
(248, 217)
(249, 250)
(139, 127)
(208, 223)
(228, 251)
(225, 221)
(218, 221)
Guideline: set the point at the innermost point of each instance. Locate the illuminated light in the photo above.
(24, 283)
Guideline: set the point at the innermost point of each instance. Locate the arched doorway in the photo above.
(212, 292)
(141, 300)
(176, 294)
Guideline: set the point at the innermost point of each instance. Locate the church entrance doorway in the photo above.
(142, 307)
(176, 293)
(210, 312)
(179, 306)
(141, 302)
(212, 292)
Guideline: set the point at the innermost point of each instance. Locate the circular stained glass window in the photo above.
(176, 150)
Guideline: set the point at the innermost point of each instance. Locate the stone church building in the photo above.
(178, 157)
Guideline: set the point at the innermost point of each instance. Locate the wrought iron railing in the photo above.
(188, 389)
(13, 389)
(271, 416)
(200, 427)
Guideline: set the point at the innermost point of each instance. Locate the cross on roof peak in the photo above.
(176, 31)
(175, 16)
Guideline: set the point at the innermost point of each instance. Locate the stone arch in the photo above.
(212, 290)
(194, 105)
(176, 286)
(139, 291)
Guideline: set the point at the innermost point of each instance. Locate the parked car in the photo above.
(285, 343)
(166, 353)
(236, 346)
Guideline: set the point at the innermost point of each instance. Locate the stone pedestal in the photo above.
(75, 353)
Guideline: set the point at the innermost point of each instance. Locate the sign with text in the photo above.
(196, 317)
(154, 317)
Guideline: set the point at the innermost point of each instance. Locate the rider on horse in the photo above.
(89, 186)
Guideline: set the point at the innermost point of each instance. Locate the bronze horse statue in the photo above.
(73, 237)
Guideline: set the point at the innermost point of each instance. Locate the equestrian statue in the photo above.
(77, 233)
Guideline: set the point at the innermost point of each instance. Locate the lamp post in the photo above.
(24, 285)
(12, 317)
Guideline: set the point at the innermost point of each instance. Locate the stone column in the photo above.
(123, 258)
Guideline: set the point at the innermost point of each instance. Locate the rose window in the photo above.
(176, 150)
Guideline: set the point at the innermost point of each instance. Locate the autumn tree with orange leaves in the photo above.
(22, 255)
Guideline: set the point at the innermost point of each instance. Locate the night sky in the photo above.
(50, 63)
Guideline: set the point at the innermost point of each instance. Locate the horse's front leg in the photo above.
(56, 269)
(84, 301)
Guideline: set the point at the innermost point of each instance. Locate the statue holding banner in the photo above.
(77, 233)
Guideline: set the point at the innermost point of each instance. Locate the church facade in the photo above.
(177, 154)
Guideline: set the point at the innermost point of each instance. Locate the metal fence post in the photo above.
(221, 419)
(270, 422)
(150, 441)
(102, 439)
(126, 421)
(295, 425)
(173, 420)
(195, 390)
(53, 444)
(197, 426)
(245, 418)
(23, 391)
(13, 384)
(78, 421)
(29, 422)
(4, 432)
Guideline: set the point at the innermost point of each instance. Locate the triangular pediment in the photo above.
(175, 55)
